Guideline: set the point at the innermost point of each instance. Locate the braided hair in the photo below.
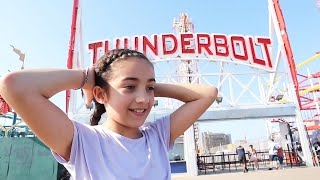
(103, 72)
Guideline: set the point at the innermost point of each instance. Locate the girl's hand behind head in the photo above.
(87, 88)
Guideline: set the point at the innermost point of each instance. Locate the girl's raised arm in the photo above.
(28, 93)
(197, 98)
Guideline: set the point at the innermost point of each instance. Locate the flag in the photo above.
(17, 51)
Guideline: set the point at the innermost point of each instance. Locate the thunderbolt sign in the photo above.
(247, 49)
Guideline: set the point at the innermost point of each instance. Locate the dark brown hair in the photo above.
(103, 72)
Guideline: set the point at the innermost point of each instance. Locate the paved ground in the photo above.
(290, 174)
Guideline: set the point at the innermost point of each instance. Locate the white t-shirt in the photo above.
(100, 154)
(273, 146)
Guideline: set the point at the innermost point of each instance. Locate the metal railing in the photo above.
(230, 162)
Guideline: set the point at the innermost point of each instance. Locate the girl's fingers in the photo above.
(87, 90)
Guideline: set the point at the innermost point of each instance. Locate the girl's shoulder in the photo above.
(83, 129)
(158, 123)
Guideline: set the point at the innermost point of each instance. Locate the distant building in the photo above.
(215, 139)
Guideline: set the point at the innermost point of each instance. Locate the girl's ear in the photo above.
(99, 94)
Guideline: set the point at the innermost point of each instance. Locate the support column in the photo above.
(304, 139)
(190, 152)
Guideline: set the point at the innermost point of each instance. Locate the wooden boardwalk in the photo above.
(286, 174)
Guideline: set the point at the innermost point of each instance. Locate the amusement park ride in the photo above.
(309, 93)
(252, 84)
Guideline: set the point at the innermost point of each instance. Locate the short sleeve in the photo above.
(76, 144)
(162, 126)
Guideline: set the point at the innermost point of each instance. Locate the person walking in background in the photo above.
(280, 156)
(273, 154)
(242, 157)
(253, 157)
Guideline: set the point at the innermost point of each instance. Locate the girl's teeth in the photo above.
(138, 111)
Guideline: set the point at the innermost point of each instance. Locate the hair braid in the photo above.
(98, 111)
(103, 71)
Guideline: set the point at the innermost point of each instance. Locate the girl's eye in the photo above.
(151, 88)
(129, 87)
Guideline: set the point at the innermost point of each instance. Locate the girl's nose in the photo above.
(142, 97)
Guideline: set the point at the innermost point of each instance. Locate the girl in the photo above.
(253, 157)
(122, 83)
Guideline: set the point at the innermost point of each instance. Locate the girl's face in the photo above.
(130, 93)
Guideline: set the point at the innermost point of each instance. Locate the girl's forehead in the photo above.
(132, 62)
(136, 68)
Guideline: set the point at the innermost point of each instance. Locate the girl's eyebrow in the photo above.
(136, 79)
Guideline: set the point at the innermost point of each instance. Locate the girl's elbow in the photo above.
(8, 83)
(213, 93)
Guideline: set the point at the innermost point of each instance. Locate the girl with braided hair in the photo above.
(122, 84)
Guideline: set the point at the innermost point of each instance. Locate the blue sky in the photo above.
(41, 29)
